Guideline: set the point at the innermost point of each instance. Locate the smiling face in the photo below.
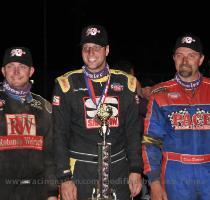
(94, 56)
(17, 74)
(187, 62)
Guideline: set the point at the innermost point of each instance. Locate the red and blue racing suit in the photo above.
(176, 147)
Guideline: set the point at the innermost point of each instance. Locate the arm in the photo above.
(69, 190)
(61, 122)
(152, 141)
(52, 188)
(133, 135)
(135, 183)
(157, 192)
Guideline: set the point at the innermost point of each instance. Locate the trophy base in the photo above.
(96, 195)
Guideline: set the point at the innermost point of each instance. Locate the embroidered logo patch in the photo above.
(90, 112)
(173, 95)
(117, 87)
(21, 133)
(21, 142)
(56, 101)
(21, 124)
(184, 120)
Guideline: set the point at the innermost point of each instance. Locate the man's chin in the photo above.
(185, 74)
(17, 86)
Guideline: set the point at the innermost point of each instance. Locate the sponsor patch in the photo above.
(184, 120)
(48, 106)
(36, 104)
(21, 142)
(21, 124)
(131, 83)
(137, 99)
(117, 87)
(157, 90)
(80, 89)
(56, 101)
(173, 95)
(64, 83)
(90, 111)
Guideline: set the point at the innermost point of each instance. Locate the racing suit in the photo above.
(26, 169)
(77, 135)
(176, 147)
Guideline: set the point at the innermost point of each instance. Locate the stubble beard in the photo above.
(185, 71)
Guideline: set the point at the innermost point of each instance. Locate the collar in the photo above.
(189, 85)
(98, 75)
(21, 95)
(101, 80)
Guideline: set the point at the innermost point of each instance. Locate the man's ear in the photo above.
(3, 71)
(107, 50)
(31, 71)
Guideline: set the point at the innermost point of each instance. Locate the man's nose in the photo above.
(16, 70)
(185, 59)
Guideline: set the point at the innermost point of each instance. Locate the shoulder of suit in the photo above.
(206, 80)
(131, 80)
(64, 82)
(163, 86)
(46, 104)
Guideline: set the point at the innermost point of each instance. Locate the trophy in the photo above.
(103, 189)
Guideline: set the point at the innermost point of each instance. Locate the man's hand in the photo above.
(157, 192)
(68, 190)
(135, 184)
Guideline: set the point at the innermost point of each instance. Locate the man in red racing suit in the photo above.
(176, 150)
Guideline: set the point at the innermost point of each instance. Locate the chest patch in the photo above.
(21, 133)
(117, 87)
(183, 120)
(90, 112)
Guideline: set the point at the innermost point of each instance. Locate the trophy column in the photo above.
(103, 189)
(104, 162)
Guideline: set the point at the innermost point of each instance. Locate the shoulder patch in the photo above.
(160, 89)
(64, 80)
(64, 83)
(45, 103)
(48, 106)
(132, 81)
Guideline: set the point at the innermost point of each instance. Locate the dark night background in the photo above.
(141, 32)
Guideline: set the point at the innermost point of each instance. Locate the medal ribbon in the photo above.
(91, 91)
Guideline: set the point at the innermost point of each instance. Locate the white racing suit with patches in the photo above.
(77, 135)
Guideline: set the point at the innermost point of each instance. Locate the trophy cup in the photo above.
(103, 189)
